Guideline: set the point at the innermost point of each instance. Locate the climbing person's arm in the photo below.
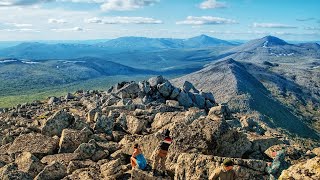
(215, 175)
(135, 153)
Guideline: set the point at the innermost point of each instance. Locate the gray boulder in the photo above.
(37, 144)
(187, 86)
(52, 171)
(154, 81)
(130, 90)
(103, 124)
(208, 96)
(165, 88)
(53, 100)
(144, 87)
(71, 139)
(28, 163)
(56, 123)
(86, 150)
(175, 92)
(134, 124)
(198, 100)
(184, 99)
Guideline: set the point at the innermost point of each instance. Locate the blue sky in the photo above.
(105, 19)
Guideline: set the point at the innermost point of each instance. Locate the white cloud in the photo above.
(19, 25)
(57, 21)
(74, 29)
(20, 30)
(272, 25)
(123, 20)
(305, 19)
(21, 2)
(211, 4)
(126, 5)
(206, 20)
(312, 28)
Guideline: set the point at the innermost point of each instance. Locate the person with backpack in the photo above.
(161, 152)
(137, 159)
(278, 164)
(225, 172)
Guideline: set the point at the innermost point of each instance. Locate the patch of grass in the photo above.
(102, 83)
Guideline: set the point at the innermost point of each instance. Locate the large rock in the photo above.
(138, 174)
(187, 86)
(144, 87)
(164, 118)
(197, 166)
(84, 174)
(154, 81)
(219, 112)
(175, 92)
(86, 150)
(165, 89)
(130, 90)
(56, 123)
(71, 139)
(29, 163)
(208, 96)
(228, 141)
(74, 165)
(17, 175)
(53, 100)
(184, 99)
(63, 158)
(37, 144)
(52, 171)
(306, 170)
(111, 168)
(103, 124)
(134, 124)
(198, 100)
(7, 169)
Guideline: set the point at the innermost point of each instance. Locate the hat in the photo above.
(227, 162)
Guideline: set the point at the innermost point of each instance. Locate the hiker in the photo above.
(137, 158)
(278, 164)
(225, 172)
(161, 152)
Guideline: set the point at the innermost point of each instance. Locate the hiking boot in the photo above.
(153, 172)
(164, 174)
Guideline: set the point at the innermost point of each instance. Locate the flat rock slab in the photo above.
(34, 143)
(63, 158)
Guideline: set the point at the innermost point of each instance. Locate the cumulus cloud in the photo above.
(21, 2)
(206, 20)
(74, 29)
(211, 4)
(123, 20)
(272, 25)
(126, 5)
(56, 21)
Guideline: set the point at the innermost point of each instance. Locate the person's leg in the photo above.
(133, 162)
(155, 163)
(163, 163)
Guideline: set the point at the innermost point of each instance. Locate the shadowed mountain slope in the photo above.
(231, 82)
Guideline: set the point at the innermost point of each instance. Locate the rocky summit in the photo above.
(90, 135)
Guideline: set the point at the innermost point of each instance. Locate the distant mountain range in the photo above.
(274, 49)
(269, 76)
(36, 50)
